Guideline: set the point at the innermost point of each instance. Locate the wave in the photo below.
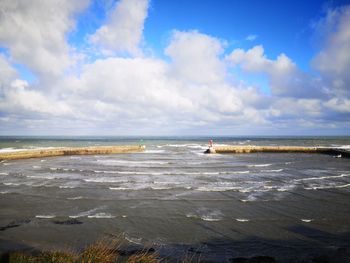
(101, 215)
(121, 188)
(105, 180)
(9, 149)
(67, 187)
(147, 187)
(45, 216)
(14, 184)
(260, 165)
(130, 163)
(272, 171)
(239, 172)
(4, 192)
(321, 177)
(86, 213)
(210, 219)
(307, 220)
(2, 173)
(36, 166)
(134, 240)
(326, 187)
(75, 198)
(217, 188)
(242, 220)
(41, 177)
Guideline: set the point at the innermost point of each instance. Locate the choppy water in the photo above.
(177, 199)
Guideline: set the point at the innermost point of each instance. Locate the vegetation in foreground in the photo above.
(99, 252)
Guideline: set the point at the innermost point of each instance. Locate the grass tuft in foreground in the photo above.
(99, 252)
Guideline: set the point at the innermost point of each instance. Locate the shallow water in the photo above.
(177, 199)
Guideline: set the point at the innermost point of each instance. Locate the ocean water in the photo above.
(177, 200)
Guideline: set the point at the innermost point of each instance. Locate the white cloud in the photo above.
(333, 61)
(338, 105)
(7, 72)
(192, 91)
(251, 37)
(35, 32)
(284, 77)
(19, 98)
(124, 28)
(195, 57)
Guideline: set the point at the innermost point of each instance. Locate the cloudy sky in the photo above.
(163, 67)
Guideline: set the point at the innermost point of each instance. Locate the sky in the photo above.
(185, 67)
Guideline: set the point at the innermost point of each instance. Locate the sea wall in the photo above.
(271, 149)
(335, 152)
(39, 153)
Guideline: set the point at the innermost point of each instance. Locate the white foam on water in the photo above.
(9, 149)
(124, 216)
(134, 240)
(2, 173)
(260, 165)
(6, 164)
(67, 187)
(239, 172)
(75, 198)
(14, 184)
(49, 177)
(36, 166)
(322, 177)
(217, 188)
(210, 219)
(307, 220)
(242, 220)
(129, 163)
(45, 216)
(121, 188)
(75, 158)
(4, 192)
(101, 215)
(272, 171)
(105, 180)
(86, 213)
(53, 169)
(43, 160)
(327, 187)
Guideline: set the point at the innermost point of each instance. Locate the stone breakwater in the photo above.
(277, 149)
(61, 151)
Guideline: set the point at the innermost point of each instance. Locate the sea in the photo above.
(177, 201)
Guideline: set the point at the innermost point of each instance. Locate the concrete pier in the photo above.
(277, 149)
(61, 151)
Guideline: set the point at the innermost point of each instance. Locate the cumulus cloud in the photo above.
(192, 90)
(284, 76)
(333, 61)
(195, 57)
(124, 28)
(35, 32)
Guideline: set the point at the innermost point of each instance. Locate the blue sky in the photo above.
(249, 67)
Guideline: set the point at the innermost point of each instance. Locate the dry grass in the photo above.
(144, 257)
(104, 251)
